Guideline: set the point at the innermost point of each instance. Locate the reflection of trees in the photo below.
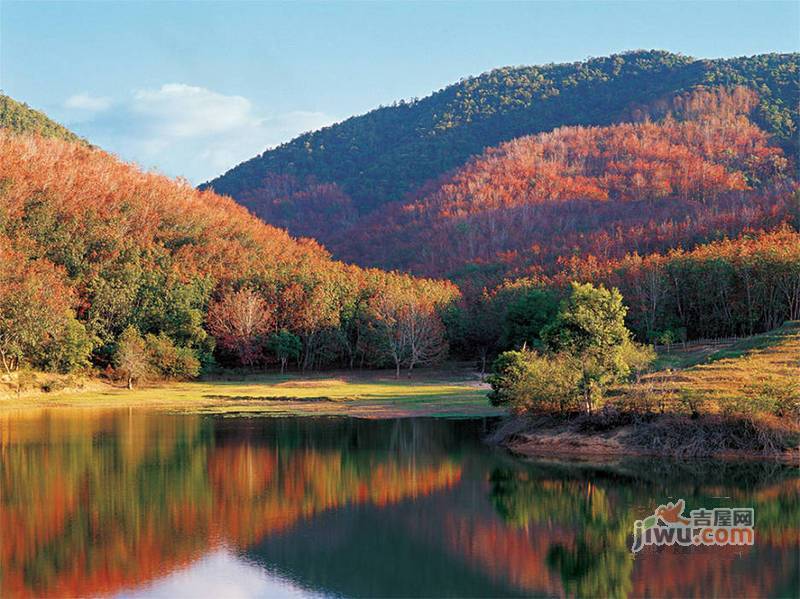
(63, 505)
(90, 505)
(597, 507)
(598, 562)
(95, 502)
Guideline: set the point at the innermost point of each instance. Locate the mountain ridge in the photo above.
(367, 161)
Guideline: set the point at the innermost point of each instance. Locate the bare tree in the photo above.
(409, 329)
(423, 332)
(131, 358)
(239, 321)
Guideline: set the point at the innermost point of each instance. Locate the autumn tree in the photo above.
(35, 314)
(386, 313)
(113, 247)
(424, 333)
(239, 321)
(408, 328)
(131, 358)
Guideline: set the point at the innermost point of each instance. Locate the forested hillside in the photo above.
(324, 181)
(103, 264)
(21, 118)
(703, 172)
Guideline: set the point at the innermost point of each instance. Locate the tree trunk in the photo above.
(130, 383)
(587, 396)
(283, 365)
(5, 363)
(397, 370)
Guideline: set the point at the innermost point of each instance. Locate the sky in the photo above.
(193, 88)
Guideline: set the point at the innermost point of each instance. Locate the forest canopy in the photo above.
(365, 162)
(137, 273)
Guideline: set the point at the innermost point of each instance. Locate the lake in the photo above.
(137, 503)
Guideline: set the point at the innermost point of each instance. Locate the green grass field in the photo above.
(373, 395)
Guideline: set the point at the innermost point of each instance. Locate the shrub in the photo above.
(506, 371)
(548, 384)
(777, 397)
(528, 381)
(170, 361)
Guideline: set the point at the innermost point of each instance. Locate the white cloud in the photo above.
(179, 110)
(85, 101)
(188, 130)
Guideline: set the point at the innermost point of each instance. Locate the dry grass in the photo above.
(727, 376)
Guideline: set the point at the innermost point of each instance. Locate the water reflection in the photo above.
(138, 503)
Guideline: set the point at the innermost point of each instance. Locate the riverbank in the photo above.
(375, 394)
(738, 400)
(612, 434)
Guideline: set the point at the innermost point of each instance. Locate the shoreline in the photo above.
(563, 441)
(443, 394)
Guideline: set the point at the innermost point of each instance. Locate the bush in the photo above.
(170, 361)
(506, 372)
(71, 350)
(529, 381)
(548, 384)
(773, 396)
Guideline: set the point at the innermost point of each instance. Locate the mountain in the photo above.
(704, 171)
(21, 118)
(326, 181)
(96, 255)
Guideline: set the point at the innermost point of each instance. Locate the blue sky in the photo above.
(193, 88)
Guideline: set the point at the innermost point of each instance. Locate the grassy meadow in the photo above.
(369, 395)
(720, 374)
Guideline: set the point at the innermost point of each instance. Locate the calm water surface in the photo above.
(138, 504)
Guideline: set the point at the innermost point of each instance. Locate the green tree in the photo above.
(507, 370)
(71, 350)
(286, 346)
(590, 327)
(527, 315)
(591, 318)
(588, 347)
